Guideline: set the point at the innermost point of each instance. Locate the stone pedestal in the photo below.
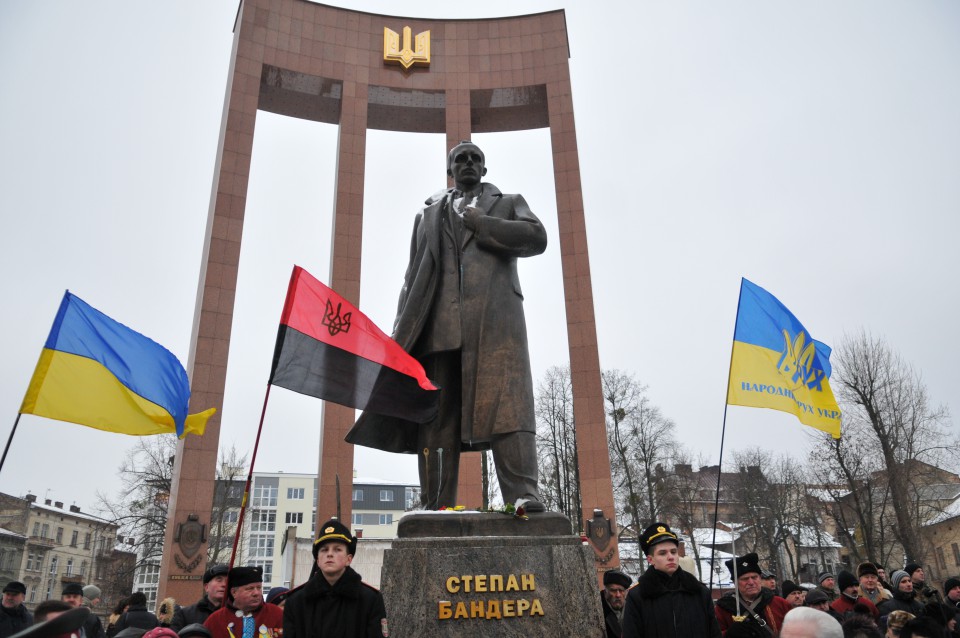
(471, 575)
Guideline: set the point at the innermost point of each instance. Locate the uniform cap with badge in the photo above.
(656, 534)
(335, 531)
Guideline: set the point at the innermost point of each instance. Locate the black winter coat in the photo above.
(93, 628)
(902, 601)
(14, 620)
(138, 617)
(669, 606)
(347, 609)
(195, 613)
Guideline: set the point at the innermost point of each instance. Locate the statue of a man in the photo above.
(461, 315)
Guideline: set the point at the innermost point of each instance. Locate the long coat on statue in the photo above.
(496, 379)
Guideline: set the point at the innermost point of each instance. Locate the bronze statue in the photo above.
(461, 315)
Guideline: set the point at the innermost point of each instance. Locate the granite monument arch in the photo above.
(327, 64)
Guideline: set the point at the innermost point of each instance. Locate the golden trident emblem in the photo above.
(406, 56)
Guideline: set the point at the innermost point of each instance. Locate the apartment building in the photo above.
(280, 500)
(61, 546)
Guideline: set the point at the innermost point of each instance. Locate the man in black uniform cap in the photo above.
(335, 603)
(667, 601)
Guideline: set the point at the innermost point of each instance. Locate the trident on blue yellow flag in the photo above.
(776, 364)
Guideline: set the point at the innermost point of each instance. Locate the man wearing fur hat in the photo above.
(850, 599)
(667, 601)
(756, 604)
(903, 596)
(214, 590)
(335, 603)
(612, 599)
(244, 614)
(870, 587)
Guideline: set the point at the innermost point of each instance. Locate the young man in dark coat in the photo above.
(335, 603)
(244, 610)
(612, 599)
(214, 590)
(137, 614)
(903, 596)
(14, 617)
(759, 606)
(922, 592)
(667, 601)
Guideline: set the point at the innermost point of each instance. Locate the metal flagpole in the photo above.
(9, 441)
(723, 433)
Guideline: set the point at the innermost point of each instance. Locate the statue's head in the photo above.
(466, 164)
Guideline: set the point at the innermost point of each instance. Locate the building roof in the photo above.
(704, 535)
(66, 512)
(952, 510)
(7, 533)
(810, 537)
(939, 492)
(363, 480)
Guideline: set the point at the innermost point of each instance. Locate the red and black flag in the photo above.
(328, 349)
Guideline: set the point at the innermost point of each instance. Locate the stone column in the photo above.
(191, 497)
(596, 487)
(336, 455)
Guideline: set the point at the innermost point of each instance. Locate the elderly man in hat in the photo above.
(612, 598)
(870, 587)
(244, 614)
(335, 603)
(667, 601)
(751, 601)
(14, 617)
(214, 589)
(73, 595)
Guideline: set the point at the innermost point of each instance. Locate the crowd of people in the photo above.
(667, 602)
(333, 603)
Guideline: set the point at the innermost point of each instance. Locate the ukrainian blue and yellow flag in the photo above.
(776, 364)
(97, 372)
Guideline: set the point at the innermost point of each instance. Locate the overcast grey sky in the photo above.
(812, 147)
